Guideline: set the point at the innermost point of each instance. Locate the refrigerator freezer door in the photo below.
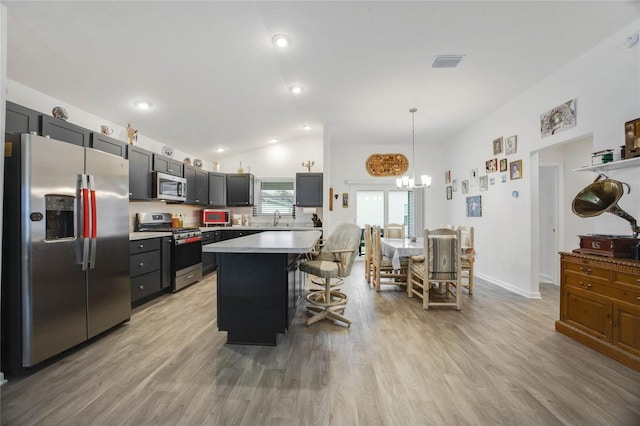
(109, 289)
(53, 283)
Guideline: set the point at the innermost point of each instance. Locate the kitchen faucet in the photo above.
(276, 216)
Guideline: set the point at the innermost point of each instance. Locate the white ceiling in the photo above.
(215, 79)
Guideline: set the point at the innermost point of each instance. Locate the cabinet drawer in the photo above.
(208, 237)
(584, 282)
(144, 263)
(145, 285)
(588, 270)
(623, 277)
(141, 246)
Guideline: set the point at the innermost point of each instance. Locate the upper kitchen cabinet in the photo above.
(217, 189)
(107, 144)
(21, 120)
(168, 165)
(197, 185)
(140, 163)
(59, 129)
(309, 190)
(240, 189)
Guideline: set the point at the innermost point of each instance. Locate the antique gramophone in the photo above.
(599, 197)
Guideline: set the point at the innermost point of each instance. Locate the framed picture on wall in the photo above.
(454, 184)
(491, 165)
(447, 176)
(474, 206)
(497, 146)
(465, 186)
(345, 200)
(503, 165)
(515, 169)
(511, 145)
(449, 192)
(484, 183)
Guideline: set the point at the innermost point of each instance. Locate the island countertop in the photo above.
(267, 242)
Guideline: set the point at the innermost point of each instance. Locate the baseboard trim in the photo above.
(507, 286)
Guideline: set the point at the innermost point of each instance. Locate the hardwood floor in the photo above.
(498, 361)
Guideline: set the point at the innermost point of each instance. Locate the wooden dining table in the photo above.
(395, 248)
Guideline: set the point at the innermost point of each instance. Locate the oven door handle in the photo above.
(188, 240)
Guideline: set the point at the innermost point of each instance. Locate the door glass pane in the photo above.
(370, 208)
(398, 209)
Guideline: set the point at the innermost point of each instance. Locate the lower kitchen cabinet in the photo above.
(145, 263)
(209, 262)
(600, 305)
(165, 252)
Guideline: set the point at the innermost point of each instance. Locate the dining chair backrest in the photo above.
(466, 235)
(394, 230)
(442, 254)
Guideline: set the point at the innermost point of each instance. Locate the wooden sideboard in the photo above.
(600, 305)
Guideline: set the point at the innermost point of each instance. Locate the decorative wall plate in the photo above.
(197, 162)
(187, 161)
(386, 164)
(167, 150)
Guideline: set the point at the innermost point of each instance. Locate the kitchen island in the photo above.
(259, 283)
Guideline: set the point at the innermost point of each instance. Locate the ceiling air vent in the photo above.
(447, 61)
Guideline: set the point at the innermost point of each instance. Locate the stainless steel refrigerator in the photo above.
(65, 247)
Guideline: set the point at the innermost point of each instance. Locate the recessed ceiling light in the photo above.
(142, 105)
(273, 140)
(296, 90)
(220, 150)
(306, 127)
(281, 40)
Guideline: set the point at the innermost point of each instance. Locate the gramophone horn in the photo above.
(602, 196)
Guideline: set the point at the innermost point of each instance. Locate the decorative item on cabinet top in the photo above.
(168, 151)
(216, 166)
(59, 112)
(197, 162)
(309, 164)
(187, 160)
(387, 164)
(132, 134)
(106, 130)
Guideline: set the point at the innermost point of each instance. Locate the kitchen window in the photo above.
(275, 194)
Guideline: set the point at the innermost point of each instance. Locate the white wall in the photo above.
(346, 171)
(606, 83)
(283, 159)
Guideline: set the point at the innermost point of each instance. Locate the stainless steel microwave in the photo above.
(169, 187)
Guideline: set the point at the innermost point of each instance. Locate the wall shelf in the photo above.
(614, 165)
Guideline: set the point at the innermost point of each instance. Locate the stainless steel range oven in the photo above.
(186, 248)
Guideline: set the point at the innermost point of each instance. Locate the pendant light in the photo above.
(410, 182)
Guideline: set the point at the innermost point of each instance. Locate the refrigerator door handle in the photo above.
(94, 221)
(85, 221)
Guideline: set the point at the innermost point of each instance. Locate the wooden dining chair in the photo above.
(368, 254)
(393, 230)
(468, 256)
(383, 272)
(439, 266)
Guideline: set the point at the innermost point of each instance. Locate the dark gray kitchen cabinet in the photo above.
(140, 163)
(166, 277)
(309, 190)
(209, 263)
(61, 130)
(144, 266)
(217, 189)
(168, 165)
(197, 185)
(106, 144)
(19, 119)
(240, 189)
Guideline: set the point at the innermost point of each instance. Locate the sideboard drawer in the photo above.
(588, 270)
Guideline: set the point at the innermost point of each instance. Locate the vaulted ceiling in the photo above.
(215, 79)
